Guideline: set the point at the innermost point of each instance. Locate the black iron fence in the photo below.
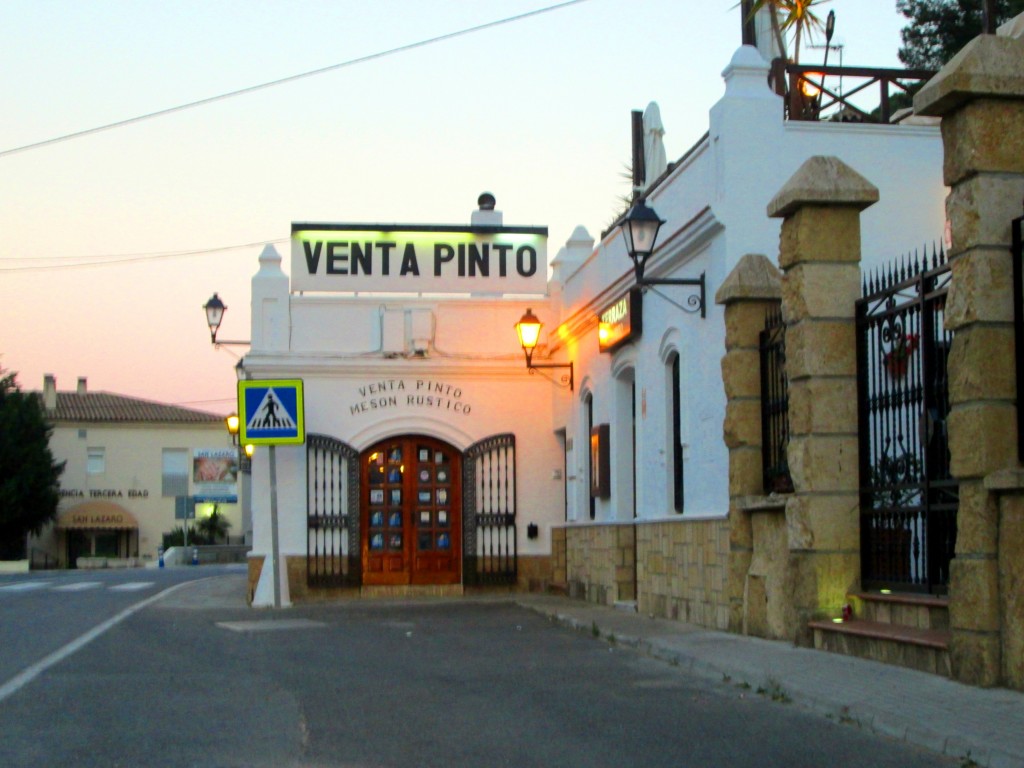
(774, 405)
(908, 497)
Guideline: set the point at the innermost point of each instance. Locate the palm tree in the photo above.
(796, 15)
(213, 527)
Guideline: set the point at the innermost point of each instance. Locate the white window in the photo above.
(95, 461)
(175, 472)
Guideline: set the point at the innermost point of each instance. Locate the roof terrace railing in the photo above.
(815, 92)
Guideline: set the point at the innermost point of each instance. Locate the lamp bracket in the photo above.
(227, 342)
(566, 380)
(694, 303)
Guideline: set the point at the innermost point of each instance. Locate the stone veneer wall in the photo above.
(535, 573)
(681, 570)
(600, 562)
(558, 557)
(979, 95)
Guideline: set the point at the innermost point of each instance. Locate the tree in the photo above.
(938, 29)
(29, 477)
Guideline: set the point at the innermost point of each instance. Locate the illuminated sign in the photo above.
(621, 322)
(419, 259)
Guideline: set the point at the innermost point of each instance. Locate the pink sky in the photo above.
(536, 112)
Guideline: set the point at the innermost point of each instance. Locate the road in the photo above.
(197, 679)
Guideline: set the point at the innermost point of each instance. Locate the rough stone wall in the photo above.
(681, 571)
(979, 95)
(750, 291)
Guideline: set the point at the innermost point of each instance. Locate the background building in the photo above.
(126, 461)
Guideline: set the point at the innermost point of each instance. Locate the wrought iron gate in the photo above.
(332, 513)
(489, 512)
(908, 499)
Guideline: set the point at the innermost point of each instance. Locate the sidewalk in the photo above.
(925, 710)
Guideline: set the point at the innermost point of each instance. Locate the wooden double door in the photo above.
(411, 512)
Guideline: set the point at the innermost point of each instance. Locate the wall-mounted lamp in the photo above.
(528, 328)
(532, 531)
(215, 309)
(640, 231)
(231, 421)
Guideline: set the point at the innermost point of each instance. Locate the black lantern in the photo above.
(640, 231)
(214, 315)
(215, 309)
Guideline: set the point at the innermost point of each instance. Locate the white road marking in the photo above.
(24, 586)
(132, 586)
(269, 625)
(76, 586)
(33, 671)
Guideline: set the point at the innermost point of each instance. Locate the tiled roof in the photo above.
(105, 407)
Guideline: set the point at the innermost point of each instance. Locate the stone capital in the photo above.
(990, 66)
(754, 278)
(823, 181)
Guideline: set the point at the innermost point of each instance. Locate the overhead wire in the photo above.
(99, 261)
(288, 79)
(112, 259)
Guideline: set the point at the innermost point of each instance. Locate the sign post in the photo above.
(272, 414)
(184, 510)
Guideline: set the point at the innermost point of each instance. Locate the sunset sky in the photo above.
(536, 111)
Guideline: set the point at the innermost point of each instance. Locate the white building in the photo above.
(423, 364)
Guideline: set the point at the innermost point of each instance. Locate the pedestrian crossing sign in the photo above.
(271, 412)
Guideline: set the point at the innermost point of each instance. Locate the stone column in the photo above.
(820, 258)
(748, 293)
(979, 95)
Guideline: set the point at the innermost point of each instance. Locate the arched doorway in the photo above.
(411, 512)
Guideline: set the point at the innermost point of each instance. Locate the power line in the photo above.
(288, 79)
(109, 260)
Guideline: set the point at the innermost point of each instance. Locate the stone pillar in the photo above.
(979, 95)
(820, 258)
(748, 293)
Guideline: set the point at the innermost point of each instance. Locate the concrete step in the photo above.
(918, 648)
(903, 609)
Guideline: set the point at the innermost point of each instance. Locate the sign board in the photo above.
(271, 412)
(621, 322)
(184, 508)
(407, 258)
(215, 473)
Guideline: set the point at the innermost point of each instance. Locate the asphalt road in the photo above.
(196, 679)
